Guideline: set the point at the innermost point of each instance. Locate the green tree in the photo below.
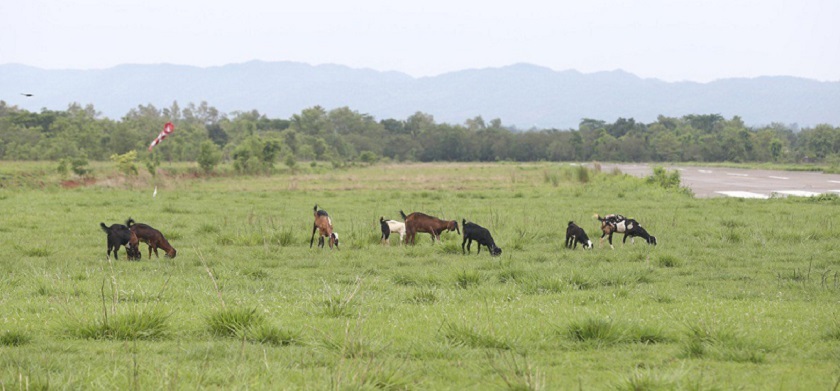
(209, 156)
(126, 163)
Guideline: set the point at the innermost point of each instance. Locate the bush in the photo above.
(663, 178)
(79, 165)
(209, 156)
(126, 163)
(368, 157)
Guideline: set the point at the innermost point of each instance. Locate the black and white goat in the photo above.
(575, 235)
(632, 228)
(481, 235)
(391, 226)
(613, 223)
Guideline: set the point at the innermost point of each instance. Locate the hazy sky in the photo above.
(673, 40)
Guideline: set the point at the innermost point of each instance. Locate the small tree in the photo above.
(62, 167)
(152, 163)
(290, 161)
(126, 163)
(79, 165)
(209, 156)
(368, 157)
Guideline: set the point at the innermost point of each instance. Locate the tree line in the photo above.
(254, 142)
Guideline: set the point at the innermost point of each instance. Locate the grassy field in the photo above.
(739, 294)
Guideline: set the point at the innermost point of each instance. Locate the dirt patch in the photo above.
(72, 184)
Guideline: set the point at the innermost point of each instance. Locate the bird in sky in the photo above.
(26, 95)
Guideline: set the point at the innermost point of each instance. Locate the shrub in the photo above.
(233, 321)
(126, 163)
(209, 156)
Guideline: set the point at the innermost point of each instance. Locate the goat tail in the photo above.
(403, 214)
(463, 222)
(315, 208)
(381, 219)
(571, 223)
(597, 216)
(129, 222)
(104, 227)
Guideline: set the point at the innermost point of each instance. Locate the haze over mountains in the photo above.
(521, 95)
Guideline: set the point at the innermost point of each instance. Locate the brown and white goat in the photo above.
(421, 222)
(151, 237)
(323, 224)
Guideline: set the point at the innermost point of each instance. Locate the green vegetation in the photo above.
(739, 294)
(253, 143)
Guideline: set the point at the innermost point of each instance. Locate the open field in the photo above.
(739, 293)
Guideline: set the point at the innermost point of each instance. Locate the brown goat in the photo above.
(323, 224)
(152, 237)
(420, 222)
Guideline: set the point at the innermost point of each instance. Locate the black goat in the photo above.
(481, 235)
(120, 235)
(575, 235)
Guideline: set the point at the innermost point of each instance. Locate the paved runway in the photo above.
(744, 183)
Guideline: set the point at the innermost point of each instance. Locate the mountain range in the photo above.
(522, 95)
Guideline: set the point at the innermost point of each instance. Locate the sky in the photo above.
(671, 40)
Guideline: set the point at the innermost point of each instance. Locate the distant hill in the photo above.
(522, 95)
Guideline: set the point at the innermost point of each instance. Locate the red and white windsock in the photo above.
(167, 130)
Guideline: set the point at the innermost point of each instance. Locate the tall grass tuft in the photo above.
(668, 261)
(648, 335)
(833, 331)
(646, 381)
(271, 335)
(370, 374)
(552, 177)
(423, 296)
(461, 335)
(14, 338)
(35, 252)
(467, 278)
(229, 322)
(582, 174)
(595, 330)
(338, 305)
(145, 324)
(516, 375)
(541, 284)
(704, 341)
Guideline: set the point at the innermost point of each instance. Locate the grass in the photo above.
(739, 294)
(136, 323)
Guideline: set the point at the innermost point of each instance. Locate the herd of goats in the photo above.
(131, 234)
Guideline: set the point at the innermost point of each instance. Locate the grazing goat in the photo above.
(120, 235)
(609, 225)
(575, 235)
(394, 226)
(151, 237)
(323, 224)
(613, 223)
(420, 222)
(633, 229)
(386, 231)
(481, 235)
